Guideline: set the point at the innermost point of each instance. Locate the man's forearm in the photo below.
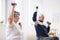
(35, 16)
(48, 29)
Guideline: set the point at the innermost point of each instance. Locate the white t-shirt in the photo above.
(14, 32)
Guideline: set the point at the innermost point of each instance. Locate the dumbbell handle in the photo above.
(13, 4)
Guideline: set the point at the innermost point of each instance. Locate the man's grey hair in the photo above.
(16, 13)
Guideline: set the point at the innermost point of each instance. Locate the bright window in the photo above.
(0, 10)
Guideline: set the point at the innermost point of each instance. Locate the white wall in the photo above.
(0, 9)
(2, 18)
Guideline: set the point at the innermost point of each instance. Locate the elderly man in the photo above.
(41, 30)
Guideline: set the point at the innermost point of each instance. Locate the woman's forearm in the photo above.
(11, 16)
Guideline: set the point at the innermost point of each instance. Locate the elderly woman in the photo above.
(14, 31)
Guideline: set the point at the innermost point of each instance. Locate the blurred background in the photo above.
(50, 8)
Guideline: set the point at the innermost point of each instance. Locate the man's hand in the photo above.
(48, 23)
(36, 8)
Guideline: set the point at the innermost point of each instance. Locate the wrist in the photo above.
(48, 25)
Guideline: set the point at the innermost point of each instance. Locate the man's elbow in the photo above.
(34, 19)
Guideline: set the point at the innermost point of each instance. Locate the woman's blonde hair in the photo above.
(16, 13)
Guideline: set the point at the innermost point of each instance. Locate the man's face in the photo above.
(41, 17)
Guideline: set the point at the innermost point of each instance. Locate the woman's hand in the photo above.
(20, 25)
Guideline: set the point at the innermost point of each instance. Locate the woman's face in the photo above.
(16, 19)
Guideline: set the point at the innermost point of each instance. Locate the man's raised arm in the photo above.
(35, 15)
